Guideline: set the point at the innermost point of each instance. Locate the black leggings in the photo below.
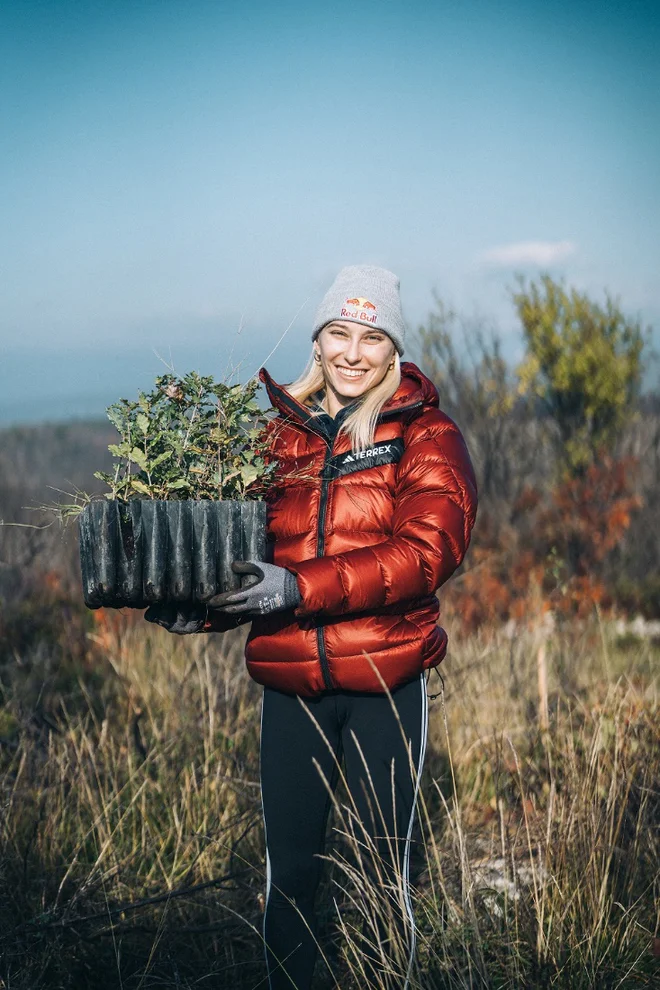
(364, 729)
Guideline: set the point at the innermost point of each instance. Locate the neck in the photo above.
(333, 404)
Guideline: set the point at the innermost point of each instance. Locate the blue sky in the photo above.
(173, 171)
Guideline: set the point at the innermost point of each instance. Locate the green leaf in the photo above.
(116, 416)
(140, 486)
(143, 423)
(160, 459)
(249, 474)
(138, 457)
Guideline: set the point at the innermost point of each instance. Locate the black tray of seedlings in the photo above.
(136, 553)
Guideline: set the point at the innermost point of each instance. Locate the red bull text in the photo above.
(362, 306)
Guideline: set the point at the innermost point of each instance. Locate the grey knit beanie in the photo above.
(367, 295)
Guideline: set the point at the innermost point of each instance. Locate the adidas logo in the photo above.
(385, 449)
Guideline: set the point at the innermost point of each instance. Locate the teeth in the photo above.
(351, 374)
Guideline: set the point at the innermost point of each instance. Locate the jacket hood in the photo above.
(414, 390)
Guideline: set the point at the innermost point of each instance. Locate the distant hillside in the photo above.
(36, 459)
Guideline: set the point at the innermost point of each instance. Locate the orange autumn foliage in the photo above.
(592, 511)
(551, 557)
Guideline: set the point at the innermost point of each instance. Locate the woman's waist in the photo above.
(425, 603)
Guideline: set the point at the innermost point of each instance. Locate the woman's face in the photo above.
(354, 358)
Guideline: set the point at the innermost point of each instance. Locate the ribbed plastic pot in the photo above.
(135, 553)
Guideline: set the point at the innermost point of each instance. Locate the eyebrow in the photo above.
(365, 329)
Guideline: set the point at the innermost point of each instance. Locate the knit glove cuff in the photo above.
(292, 596)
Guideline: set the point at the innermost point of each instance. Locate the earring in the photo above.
(317, 356)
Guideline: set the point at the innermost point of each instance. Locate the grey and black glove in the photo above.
(276, 589)
(181, 618)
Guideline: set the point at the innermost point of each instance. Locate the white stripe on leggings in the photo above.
(263, 812)
(406, 855)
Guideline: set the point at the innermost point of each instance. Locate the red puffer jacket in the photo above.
(370, 537)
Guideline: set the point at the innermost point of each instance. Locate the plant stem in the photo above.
(219, 452)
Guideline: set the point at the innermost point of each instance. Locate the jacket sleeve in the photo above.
(435, 509)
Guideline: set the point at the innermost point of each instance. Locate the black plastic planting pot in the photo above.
(139, 552)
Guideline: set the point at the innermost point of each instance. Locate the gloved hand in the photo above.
(182, 618)
(276, 589)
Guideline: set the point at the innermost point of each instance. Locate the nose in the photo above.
(353, 353)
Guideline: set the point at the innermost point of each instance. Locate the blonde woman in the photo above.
(372, 512)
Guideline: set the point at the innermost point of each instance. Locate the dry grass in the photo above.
(132, 842)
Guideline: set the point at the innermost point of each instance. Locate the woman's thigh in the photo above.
(384, 744)
(300, 743)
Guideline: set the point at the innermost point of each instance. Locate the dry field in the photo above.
(132, 843)
(132, 851)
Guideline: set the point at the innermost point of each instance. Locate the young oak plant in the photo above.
(189, 438)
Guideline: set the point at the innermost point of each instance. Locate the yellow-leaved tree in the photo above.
(583, 361)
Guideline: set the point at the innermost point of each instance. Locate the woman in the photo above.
(371, 514)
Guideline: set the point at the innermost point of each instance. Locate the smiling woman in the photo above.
(371, 512)
(358, 340)
(383, 521)
(353, 360)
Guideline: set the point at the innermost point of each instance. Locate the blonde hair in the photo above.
(360, 424)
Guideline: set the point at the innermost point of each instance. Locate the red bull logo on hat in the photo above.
(361, 309)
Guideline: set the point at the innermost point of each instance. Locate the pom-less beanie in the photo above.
(367, 295)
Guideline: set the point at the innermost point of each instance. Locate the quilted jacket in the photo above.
(371, 538)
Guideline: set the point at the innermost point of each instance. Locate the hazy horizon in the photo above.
(172, 172)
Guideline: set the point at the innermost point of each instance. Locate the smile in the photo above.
(351, 373)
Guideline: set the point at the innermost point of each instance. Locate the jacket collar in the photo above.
(415, 391)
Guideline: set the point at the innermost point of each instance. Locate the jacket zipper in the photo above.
(295, 407)
(320, 534)
(320, 544)
(320, 550)
(320, 547)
